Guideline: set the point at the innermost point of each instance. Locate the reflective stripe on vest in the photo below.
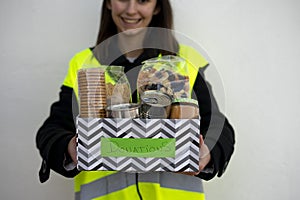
(104, 185)
(154, 185)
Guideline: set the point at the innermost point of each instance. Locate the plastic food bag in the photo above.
(167, 74)
(117, 86)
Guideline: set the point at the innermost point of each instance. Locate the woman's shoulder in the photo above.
(82, 54)
(191, 55)
(84, 58)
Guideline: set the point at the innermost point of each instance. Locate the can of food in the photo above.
(155, 104)
(184, 108)
(127, 110)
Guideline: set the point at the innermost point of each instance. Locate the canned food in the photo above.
(184, 109)
(155, 104)
(127, 110)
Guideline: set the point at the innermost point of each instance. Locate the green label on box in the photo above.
(138, 147)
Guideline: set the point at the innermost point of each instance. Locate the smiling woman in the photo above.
(131, 32)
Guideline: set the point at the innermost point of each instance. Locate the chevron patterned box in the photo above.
(138, 145)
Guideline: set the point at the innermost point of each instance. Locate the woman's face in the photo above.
(132, 14)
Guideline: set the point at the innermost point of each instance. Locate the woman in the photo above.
(56, 139)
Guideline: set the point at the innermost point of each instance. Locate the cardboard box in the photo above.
(138, 145)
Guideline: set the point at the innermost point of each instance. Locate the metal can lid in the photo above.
(156, 98)
(124, 106)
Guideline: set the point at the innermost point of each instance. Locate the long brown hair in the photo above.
(163, 19)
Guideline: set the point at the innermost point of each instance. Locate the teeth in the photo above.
(131, 21)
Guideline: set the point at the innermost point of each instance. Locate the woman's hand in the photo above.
(72, 149)
(204, 158)
(204, 155)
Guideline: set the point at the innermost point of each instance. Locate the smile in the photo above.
(131, 21)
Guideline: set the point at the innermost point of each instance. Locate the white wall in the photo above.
(254, 44)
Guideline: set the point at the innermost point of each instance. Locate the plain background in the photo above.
(254, 44)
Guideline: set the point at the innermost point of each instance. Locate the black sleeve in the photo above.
(217, 132)
(54, 135)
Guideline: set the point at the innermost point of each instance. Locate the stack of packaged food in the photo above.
(162, 88)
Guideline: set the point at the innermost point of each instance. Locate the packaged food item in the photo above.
(117, 86)
(155, 105)
(100, 87)
(185, 108)
(92, 92)
(167, 74)
(126, 110)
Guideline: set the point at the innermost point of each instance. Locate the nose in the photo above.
(132, 7)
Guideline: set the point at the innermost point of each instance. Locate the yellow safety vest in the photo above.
(106, 185)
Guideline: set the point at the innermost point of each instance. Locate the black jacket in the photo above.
(54, 135)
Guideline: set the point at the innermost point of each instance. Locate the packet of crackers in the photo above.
(167, 74)
(92, 92)
(100, 87)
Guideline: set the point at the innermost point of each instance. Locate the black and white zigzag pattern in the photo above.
(185, 131)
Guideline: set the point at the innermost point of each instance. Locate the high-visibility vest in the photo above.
(105, 185)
